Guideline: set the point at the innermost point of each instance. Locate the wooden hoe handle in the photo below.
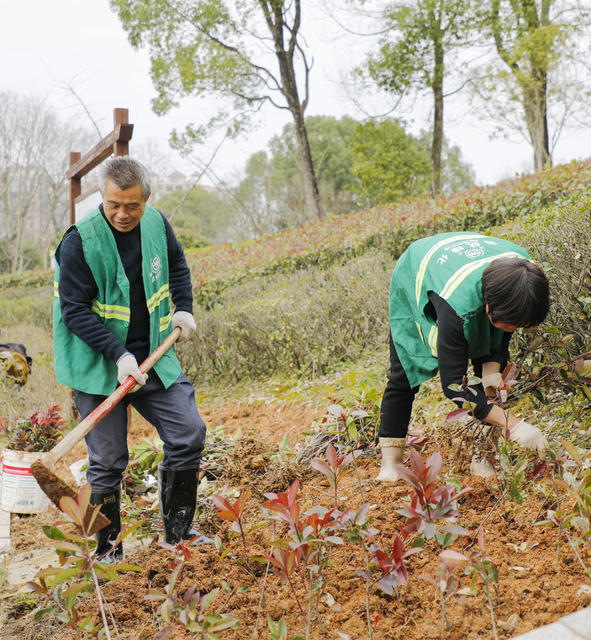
(71, 439)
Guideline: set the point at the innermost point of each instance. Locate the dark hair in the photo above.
(125, 172)
(516, 291)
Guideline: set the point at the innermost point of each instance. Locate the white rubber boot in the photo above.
(392, 450)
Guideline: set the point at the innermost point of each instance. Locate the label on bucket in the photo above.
(20, 491)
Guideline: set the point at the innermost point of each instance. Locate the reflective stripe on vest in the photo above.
(433, 333)
(155, 299)
(112, 311)
(165, 322)
(461, 274)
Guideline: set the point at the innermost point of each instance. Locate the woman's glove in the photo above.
(529, 437)
(127, 366)
(492, 380)
(185, 321)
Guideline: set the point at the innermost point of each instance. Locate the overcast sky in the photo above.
(47, 44)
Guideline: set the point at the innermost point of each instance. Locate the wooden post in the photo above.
(116, 143)
(120, 147)
(75, 186)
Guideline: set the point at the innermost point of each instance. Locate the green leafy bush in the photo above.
(21, 305)
(559, 239)
(308, 321)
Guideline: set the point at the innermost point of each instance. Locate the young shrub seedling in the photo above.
(306, 549)
(285, 509)
(430, 504)
(334, 468)
(234, 513)
(576, 483)
(482, 568)
(189, 609)
(446, 582)
(392, 567)
(40, 431)
(288, 561)
(79, 570)
(144, 460)
(356, 528)
(278, 630)
(513, 465)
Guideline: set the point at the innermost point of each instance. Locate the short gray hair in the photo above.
(125, 172)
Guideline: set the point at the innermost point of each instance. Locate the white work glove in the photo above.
(492, 381)
(127, 366)
(185, 321)
(529, 437)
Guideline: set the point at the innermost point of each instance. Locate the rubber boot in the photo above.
(177, 489)
(392, 451)
(109, 501)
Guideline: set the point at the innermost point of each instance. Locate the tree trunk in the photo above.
(536, 117)
(532, 82)
(297, 107)
(437, 142)
(311, 192)
(437, 87)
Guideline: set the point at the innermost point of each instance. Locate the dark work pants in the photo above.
(172, 411)
(397, 400)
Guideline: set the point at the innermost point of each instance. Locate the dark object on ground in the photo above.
(15, 362)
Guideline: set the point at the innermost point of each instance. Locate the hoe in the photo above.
(43, 469)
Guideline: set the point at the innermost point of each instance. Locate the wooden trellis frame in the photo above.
(115, 143)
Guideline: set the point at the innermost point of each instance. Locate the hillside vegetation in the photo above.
(390, 229)
(305, 301)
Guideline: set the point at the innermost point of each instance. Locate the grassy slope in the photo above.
(390, 228)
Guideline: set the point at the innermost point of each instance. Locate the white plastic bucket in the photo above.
(76, 469)
(20, 491)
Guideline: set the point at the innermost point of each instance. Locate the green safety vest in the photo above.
(76, 364)
(451, 265)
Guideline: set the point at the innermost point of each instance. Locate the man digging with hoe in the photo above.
(118, 269)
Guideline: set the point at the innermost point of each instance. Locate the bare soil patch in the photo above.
(539, 575)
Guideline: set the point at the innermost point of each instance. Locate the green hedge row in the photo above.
(389, 229)
(27, 305)
(303, 322)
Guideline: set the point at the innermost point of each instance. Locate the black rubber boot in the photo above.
(109, 501)
(177, 489)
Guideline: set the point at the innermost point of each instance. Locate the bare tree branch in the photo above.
(69, 88)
